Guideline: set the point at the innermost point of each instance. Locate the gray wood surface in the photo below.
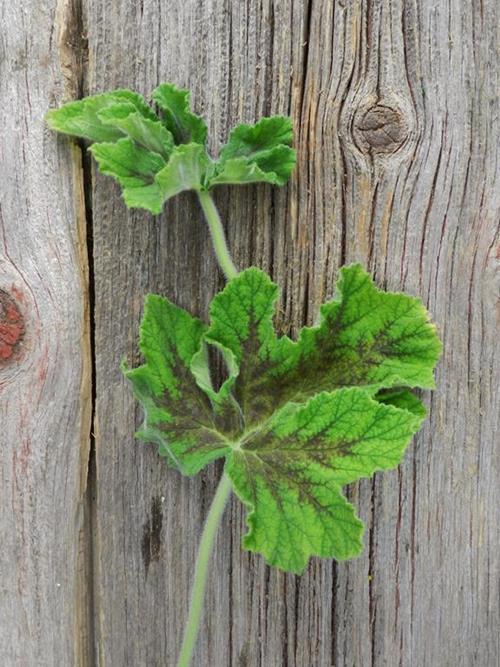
(396, 112)
(45, 362)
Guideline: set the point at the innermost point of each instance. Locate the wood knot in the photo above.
(11, 328)
(380, 129)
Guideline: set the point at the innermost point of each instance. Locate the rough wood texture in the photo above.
(395, 126)
(45, 398)
(395, 104)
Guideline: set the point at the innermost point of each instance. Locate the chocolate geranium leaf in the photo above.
(296, 421)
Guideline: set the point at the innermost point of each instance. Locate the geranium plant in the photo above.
(294, 420)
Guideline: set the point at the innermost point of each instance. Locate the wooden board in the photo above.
(45, 378)
(396, 113)
(395, 121)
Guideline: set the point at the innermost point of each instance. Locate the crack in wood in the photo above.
(73, 59)
(152, 534)
(72, 46)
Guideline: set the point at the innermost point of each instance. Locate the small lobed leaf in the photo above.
(185, 170)
(259, 152)
(135, 169)
(254, 153)
(251, 140)
(81, 118)
(240, 171)
(295, 421)
(146, 133)
(185, 126)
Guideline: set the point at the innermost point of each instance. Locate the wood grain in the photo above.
(396, 112)
(45, 389)
(397, 134)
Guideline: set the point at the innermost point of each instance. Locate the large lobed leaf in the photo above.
(295, 421)
(154, 158)
(290, 471)
(366, 337)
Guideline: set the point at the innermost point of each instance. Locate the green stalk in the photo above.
(200, 573)
(217, 233)
(224, 489)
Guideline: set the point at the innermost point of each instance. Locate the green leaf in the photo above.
(251, 140)
(403, 399)
(184, 125)
(259, 152)
(289, 472)
(147, 180)
(147, 133)
(373, 338)
(366, 337)
(185, 170)
(178, 414)
(135, 169)
(295, 421)
(254, 153)
(82, 119)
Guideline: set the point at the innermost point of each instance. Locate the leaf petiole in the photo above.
(200, 574)
(217, 233)
(224, 489)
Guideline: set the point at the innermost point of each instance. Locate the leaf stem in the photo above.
(217, 232)
(200, 573)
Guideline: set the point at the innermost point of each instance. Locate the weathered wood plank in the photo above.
(417, 200)
(45, 389)
(425, 218)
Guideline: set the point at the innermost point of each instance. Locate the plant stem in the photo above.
(224, 488)
(200, 573)
(217, 233)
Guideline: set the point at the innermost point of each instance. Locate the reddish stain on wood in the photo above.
(11, 327)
